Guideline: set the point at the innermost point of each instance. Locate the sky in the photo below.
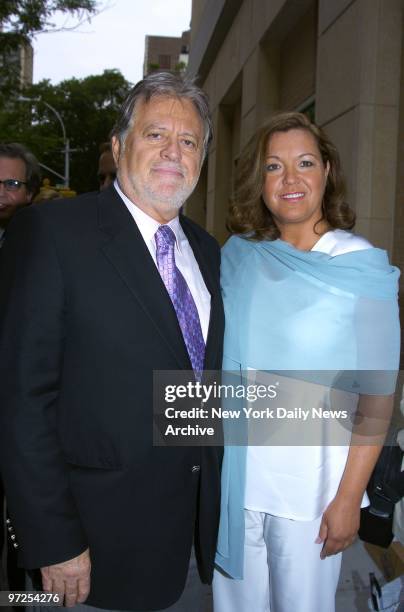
(113, 39)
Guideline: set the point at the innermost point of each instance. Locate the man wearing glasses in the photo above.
(19, 184)
(19, 181)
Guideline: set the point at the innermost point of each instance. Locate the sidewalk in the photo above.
(353, 588)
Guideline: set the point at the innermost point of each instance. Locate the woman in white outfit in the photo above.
(301, 292)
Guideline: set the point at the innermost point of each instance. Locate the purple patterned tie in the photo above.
(181, 297)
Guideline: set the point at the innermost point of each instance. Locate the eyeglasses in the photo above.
(12, 184)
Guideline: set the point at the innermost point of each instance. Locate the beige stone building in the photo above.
(340, 60)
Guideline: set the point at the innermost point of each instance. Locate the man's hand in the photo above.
(339, 526)
(70, 579)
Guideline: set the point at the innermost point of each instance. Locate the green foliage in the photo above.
(180, 67)
(88, 108)
(22, 19)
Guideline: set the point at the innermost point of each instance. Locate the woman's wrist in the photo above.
(351, 497)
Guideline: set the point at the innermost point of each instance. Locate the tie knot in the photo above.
(164, 236)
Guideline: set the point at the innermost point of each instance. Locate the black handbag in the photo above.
(385, 489)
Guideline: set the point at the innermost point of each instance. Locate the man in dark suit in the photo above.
(100, 291)
(20, 179)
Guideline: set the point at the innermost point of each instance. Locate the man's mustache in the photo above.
(170, 166)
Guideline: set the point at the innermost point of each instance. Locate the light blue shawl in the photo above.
(288, 309)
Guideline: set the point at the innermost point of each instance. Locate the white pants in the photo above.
(282, 569)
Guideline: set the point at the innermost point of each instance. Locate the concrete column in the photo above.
(260, 89)
(357, 101)
(398, 250)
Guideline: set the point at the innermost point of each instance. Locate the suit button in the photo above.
(196, 468)
(12, 537)
(10, 529)
(8, 521)
(15, 544)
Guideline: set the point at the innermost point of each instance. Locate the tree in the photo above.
(21, 20)
(88, 108)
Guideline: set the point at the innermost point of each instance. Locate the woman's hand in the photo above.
(339, 525)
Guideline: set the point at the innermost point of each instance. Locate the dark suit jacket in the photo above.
(85, 319)
(11, 576)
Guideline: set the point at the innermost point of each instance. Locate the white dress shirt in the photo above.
(183, 253)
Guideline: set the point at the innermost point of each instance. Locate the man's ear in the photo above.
(116, 149)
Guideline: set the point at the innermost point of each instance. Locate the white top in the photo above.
(337, 242)
(183, 253)
(299, 482)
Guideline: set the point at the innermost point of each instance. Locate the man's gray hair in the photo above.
(163, 84)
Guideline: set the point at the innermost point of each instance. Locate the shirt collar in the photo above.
(148, 224)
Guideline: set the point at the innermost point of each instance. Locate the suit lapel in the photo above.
(127, 252)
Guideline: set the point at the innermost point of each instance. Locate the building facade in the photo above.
(166, 53)
(339, 60)
(21, 62)
(26, 63)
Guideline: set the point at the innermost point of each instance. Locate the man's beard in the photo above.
(171, 201)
